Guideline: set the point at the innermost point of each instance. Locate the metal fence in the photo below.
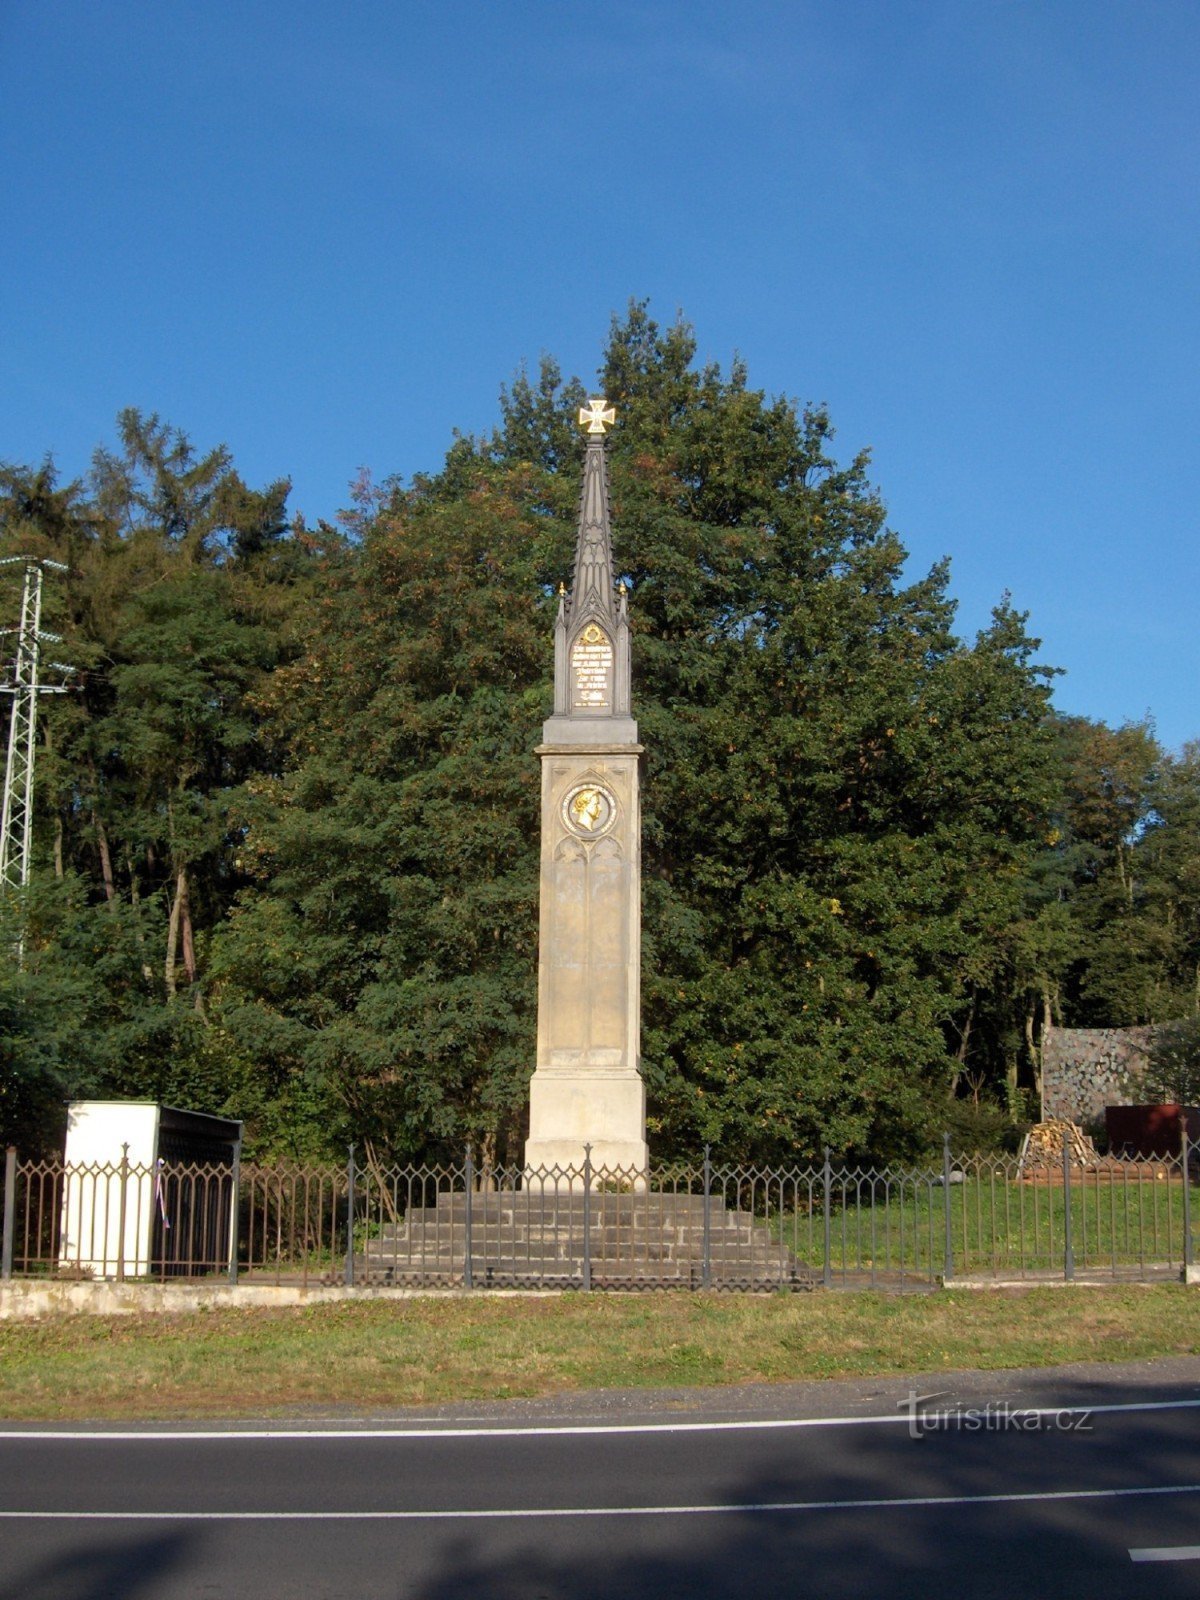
(705, 1225)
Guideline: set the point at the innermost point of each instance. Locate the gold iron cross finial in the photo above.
(597, 415)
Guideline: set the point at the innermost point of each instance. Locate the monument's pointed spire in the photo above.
(592, 584)
(591, 631)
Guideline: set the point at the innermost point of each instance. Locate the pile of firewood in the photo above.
(1045, 1140)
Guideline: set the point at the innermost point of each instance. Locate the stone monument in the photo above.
(540, 1227)
(587, 1086)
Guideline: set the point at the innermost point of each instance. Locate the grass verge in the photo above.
(382, 1355)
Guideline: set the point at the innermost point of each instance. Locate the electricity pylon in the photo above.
(16, 821)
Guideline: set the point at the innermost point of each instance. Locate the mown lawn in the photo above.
(998, 1225)
(380, 1355)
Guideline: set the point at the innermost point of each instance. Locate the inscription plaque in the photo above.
(591, 670)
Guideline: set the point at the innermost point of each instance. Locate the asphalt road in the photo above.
(820, 1491)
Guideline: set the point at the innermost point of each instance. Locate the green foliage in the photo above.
(389, 941)
(288, 821)
(840, 797)
(1173, 1077)
(980, 1127)
(1114, 930)
(178, 602)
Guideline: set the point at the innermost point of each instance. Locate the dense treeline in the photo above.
(286, 862)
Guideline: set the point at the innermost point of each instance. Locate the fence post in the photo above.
(124, 1170)
(587, 1216)
(706, 1270)
(948, 1245)
(827, 1175)
(10, 1209)
(235, 1211)
(469, 1221)
(348, 1276)
(1068, 1244)
(1184, 1162)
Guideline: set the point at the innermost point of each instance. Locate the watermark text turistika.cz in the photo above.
(924, 1417)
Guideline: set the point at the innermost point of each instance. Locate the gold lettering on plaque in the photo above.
(591, 670)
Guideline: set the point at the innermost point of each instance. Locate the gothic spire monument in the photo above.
(587, 1085)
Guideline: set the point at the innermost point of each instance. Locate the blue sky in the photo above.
(325, 234)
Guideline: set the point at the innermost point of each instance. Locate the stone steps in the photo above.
(572, 1250)
(500, 1272)
(401, 1236)
(527, 1238)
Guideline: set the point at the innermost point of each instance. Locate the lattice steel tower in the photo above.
(16, 824)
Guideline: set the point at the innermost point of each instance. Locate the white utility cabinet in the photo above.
(148, 1190)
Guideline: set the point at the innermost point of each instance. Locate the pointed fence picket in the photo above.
(700, 1225)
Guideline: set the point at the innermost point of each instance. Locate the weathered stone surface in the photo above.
(1086, 1069)
(25, 1299)
(587, 1084)
(542, 1236)
(587, 1088)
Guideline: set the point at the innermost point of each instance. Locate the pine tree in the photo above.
(178, 600)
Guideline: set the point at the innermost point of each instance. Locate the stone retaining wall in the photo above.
(1086, 1069)
(26, 1298)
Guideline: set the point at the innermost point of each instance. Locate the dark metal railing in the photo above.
(687, 1226)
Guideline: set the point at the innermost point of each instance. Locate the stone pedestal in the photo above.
(587, 1087)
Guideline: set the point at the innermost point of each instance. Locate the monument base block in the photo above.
(568, 1110)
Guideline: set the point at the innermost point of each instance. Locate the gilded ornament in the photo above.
(597, 415)
(589, 810)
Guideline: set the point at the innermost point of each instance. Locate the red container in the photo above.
(1149, 1130)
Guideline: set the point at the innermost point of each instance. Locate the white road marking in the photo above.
(572, 1430)
(908, 1503)
(1167, 1552)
